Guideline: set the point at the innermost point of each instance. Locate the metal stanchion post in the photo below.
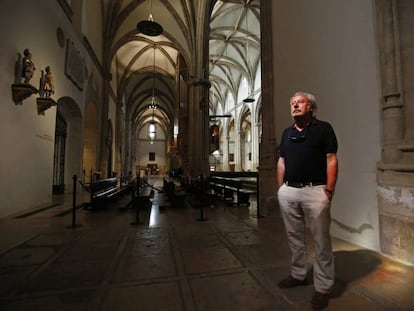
(258, 196)
(74, 225)
(136, 204)
(202, 200)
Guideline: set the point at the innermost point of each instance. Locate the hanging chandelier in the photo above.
(152, 128)
(248, 99)
(149, 27)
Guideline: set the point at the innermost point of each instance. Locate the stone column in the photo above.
(255, 146)
(392, 113)
(130, 145)
(267, 147)
(396, 168)
(226, 152)
(237, 152)
(103, 127)
(198, 135)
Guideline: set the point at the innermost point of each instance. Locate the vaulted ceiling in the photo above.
(144, 67)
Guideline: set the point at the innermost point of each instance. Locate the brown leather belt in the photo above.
(301, 184)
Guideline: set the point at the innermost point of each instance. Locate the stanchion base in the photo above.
(202, 219)
(73, 226)
(136, 223)
(258, 216)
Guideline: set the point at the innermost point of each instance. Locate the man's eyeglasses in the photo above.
(301, 136)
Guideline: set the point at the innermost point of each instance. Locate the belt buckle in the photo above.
(300, 184)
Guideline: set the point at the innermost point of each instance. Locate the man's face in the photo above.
(300, 106)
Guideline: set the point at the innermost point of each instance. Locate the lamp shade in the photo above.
(150, 28)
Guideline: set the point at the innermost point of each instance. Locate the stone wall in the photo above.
(395, 21)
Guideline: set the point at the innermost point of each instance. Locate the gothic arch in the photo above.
(68, 110)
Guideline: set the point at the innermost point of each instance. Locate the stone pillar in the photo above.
(130, 143)
(237, 152)
(103, 128)
(255, 146)
(267, 147)
(396, 168)
(392, 113)
(198, 134)
(226, 152)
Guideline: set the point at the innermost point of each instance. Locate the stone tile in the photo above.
(78, 301)
(185, 230)
(143, 268)
(208, 260)
(232, 226)
(295, 295)
(56, 239)
(22, 256)
(99, 235)
(264, 254)
(393, 288)
(244, 238)
(100, 250)
(152, 297)
(353, 301)
(231, 292)
(363, 263)
(61, 276)
(200, 241)
(147, 247)
(155, 232)
(12, 278)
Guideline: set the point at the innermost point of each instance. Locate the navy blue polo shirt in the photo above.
(305, 152)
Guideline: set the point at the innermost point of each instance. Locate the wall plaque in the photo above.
(75, 66)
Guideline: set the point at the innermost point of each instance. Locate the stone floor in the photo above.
(175, 258)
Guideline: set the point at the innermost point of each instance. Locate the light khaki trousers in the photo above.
(309, 204)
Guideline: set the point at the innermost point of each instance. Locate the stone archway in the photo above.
(59, 155)
(90, 143)
(68, 144)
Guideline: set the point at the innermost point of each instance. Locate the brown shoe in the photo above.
(291, 282)
(319, 301)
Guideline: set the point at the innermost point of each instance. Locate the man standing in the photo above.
(306, 175)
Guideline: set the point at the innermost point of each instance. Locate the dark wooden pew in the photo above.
(105, 189)
(175, 191)
(236, 187)
(143, 196)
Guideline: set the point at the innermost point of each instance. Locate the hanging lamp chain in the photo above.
(150, 18)
(153, 78)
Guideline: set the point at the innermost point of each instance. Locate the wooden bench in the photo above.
(199, 193)
(143, 196)
(105, 189)
(140, 194)
(236, 187)
(175, 191)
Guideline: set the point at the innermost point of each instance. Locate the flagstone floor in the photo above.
(171, 258)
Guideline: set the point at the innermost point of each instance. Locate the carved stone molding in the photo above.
(398, 167)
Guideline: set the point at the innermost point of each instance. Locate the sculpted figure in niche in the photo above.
(28, 66)
(48, 87)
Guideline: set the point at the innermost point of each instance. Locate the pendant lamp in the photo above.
(248, 99)
(149, 27)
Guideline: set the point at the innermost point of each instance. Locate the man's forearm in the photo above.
(331, 171)
(280, 171)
